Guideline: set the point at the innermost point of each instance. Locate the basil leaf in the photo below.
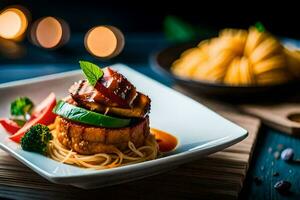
(92, 72)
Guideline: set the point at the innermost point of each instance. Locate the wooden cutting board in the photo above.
(281, 116)
(218, 176)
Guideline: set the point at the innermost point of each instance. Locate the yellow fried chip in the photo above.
(272, 63)
(265, 49)
(245, 73)
(232, 74)
(253, 40)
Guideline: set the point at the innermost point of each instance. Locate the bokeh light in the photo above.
(50, 32)
(104, 41)
(13, 22)
(11, 49)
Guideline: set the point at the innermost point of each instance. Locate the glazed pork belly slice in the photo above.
(85, 92)
(113, 90)
(117, 84)
(88, 97)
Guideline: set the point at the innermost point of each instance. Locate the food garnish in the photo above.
(42, 114)
(92, 72)
(36, 139)
(22, 106)
(9, 125)
(20, 109)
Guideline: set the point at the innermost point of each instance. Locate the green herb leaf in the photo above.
(260, 27)
(92, 72)
(21, 106)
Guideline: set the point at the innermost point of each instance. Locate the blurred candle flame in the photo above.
(50, 32)
(13, 22)
(104, 41)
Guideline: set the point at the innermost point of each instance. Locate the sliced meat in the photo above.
(86, 96)
(84, 92)
(119, 85)
(89, 140)
(112, 90)
(140, 107)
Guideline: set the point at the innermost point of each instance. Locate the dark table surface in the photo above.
(37, 62)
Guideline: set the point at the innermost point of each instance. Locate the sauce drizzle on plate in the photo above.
(166, 141)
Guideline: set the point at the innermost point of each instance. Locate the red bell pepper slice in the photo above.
(41, 115)
(45, 103)
(9, 125)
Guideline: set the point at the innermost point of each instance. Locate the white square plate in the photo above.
(199, 130)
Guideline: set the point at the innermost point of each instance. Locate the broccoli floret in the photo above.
(36, 139)
(22, 106)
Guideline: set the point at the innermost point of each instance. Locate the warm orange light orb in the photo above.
(13, 23)
(10, 24)
(104, 41)
(50, 32)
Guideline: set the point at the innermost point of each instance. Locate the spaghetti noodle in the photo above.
(99, 161)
